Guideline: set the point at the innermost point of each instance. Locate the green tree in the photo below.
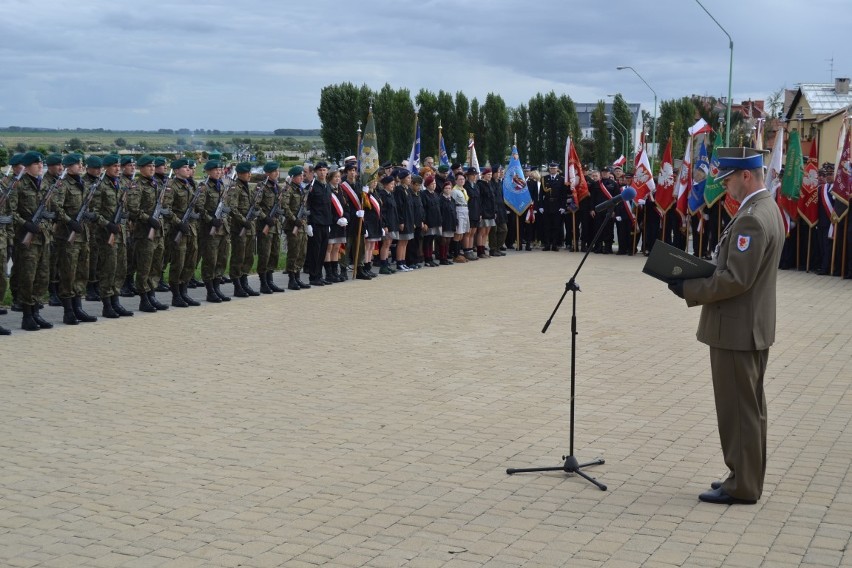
(537, 154)
(337, 113)
(520, 129)
(622, 113)
(496, 123)
(428, 123)
(447, 119)
(76, 145)
(601, 136)
(120, 142)
(4, 160)
(461, 128)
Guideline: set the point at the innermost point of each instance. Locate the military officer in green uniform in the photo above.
(72, 234)
(215, 195)
(162, 176)
(148, 239)
(111, 238)
(183, 239)
(128, 171)
(31, 267)
(295, 221)
(268, 229)
(8, 203)
(243, 232)
(53, 163)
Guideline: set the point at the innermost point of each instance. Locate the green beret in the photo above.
(159, 161)
(32, 157)
(109, 160)
(127, 160)
(244, 168)
(71, 159)
(296, 171)
(177, 164)
(145, 160)
(270, 167)
(94, 162)
(15, 160)
(53, 159)
(443, 168)
(212, 165)
(214, 155)
(190, 162)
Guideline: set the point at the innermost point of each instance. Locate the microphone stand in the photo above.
(571, 465)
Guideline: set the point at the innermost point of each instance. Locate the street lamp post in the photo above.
(730, 73)
(624, 136)
(654, 125)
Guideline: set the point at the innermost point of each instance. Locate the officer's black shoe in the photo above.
(184, 293)
(361, 274)
(368, 270)
(42, 323)
(226, 279)
(239, 291)
(28, 323)
(249, 290)
(316, 282)
(92, 294)
(145, 303)
(108, 311)
(300, 282)
(291, 282)
(219, 292)
(212, 296)
(80, 313)
(264, 285)
(4, 331)
(177, 299)
(68, 316)
(152, 297)
(343, 272)
(53, 300)
(119, 309)
(271, 282)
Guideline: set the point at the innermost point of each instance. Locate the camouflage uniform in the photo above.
(242, 246)
(129, 182)
(112, 258)
(214, 257)
(48, 180)
(7, 230)
(268, 244)
(295, 219)
(141, 202)
(73, 266)
(183, 255)
(31, 266)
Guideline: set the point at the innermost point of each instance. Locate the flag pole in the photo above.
(645, 225)
(833, 249)
(358, 237)
(798, 246)
(574, 230)
(518, 230)
(808, 265)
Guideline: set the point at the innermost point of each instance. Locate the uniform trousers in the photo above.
(112, 264)
(31, 270)
(268, 247)
(73, 267)
(297, 247)
(316, 250)
(741, 414)
(183, 257)
(214, 258)
(149, 263)
(242, 253)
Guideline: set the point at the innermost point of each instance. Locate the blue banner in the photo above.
(696, 194)
(516, 194)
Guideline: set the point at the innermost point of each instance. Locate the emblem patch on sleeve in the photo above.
(743, 241)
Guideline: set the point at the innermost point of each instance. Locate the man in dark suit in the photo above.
(738, 323)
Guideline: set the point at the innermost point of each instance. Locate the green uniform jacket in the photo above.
(291, 205)
(28, 193)
(68, 200)
(141, 202)
(112, 192)
(243, 198)
(182, 191)
(212, 193)
(271, 192)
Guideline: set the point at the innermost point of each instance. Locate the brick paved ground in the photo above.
(370, 424)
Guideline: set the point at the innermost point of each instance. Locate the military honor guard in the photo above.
(111, 236)
(183, 234)
(269, 228)
(147, 205)
(243, 231)
(216, 203)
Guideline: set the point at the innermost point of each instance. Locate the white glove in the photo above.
(541, 209)
(706, 217)
(366, 234)
(310, 231)
(641, 202)
(360, 213)
(618, 219)
(384, 231)
(342, 222)
(366, 189)
(562, 211)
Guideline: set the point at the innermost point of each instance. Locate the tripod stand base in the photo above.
(570, 466)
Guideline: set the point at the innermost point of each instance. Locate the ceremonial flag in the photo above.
(700, 127)
(619, 162)
(444, 158)
(414, 156)
(791, 183)
(773, 168)
(842, 188)
(808, 204)
(639, 148)
(713, 189)
(665, 196)
(643, 179)
(695, 201)
(731, 205)
(516, 194)
(368, 154)
(474, 161)
(758, 134)
(684, 179)
(574, 176)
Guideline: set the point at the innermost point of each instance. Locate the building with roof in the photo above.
(584, 114)
(818, 111)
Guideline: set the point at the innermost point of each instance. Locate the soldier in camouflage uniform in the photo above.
(128, 171)
(72, 235)
(162, 176)
(8, 204)
(148, 232)
(31, 268)
(53, 162)
(295, 220)
(183, 239)
(216, 230)
(17, 168)
(268, 229)
(110, 237)
(243, 232)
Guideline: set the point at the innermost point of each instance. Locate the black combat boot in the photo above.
(42, 323)
(28, 323)
(81, 315)
(152, 297)
(193, 283)
(162, 286)
(329, 275)
(270, 281)
(177, 299)
(212, 296)
(302, 284)
(4, 331)
(264, 283)
(92, 292)
(145, 303)
(291, 282)
(108, 311)
(127, 289)
(239, 291)
(184, 293)
(119, 309)
(249, 290)
(53, 289)
(342, 271)
(216, 283)
(68, 315)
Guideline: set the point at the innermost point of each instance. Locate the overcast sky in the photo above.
(260, 65)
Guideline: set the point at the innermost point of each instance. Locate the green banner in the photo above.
(713, 190)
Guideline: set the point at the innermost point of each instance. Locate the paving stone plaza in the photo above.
(371, 424)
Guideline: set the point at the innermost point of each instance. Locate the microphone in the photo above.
(627, 194)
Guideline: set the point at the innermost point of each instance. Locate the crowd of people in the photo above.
(105, 227)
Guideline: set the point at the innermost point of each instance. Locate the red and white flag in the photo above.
(643, 179)
(684, 179)
(842, 188)
(574, 176)
(665, 195)
(619, 162)
(700, 127)
(639, 149)
(338, 207)
(808, 203)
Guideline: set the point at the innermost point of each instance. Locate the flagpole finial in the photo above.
(417, 109)
(515, 139)
(359, 127)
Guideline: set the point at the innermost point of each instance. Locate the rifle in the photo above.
(158, 208)
(221, 208)
(274, 212)
(119, 209)
(189, 207)
(4, 196)
(42, 206)
(253, 210)
(84, 208)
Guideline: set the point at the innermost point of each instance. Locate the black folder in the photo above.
(667, 263)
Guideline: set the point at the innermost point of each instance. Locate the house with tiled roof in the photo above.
(817, 110)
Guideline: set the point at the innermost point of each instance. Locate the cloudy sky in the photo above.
(260, 65)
